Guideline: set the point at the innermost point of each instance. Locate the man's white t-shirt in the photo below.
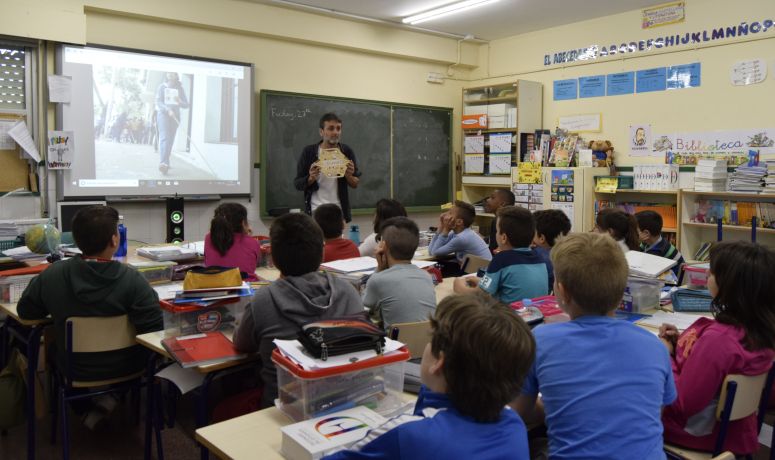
(327, 191)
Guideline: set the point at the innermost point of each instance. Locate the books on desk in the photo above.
(363, 264)
(170, 252)
(317, 437)
(212, 296)
(647, 265)
(201, 349)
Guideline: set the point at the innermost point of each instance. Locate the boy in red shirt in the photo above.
(331, 220)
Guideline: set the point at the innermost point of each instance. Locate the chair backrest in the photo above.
(472, 263)
(414, 335)
(100, 333)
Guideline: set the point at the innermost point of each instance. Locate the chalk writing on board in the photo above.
(289, 114)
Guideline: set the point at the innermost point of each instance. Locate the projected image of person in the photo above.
(170, 98)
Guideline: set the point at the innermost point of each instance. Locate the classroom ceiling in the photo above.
(500, 19)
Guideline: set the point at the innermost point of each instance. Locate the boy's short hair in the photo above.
(651, 221)
(592, 269)
(551, 223)
(517, 224)
(507, 196)
(466, 212)
(401, 236)
(487, 352)
(330, 116)
(297, 244)
(330, 219)
(93, 227)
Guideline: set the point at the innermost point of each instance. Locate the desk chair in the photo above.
(87, 335)
(414, 335)
(741, 396)
(472, 263)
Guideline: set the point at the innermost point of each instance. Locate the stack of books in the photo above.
(710, 175)
(769, 180)
(749, 179)
(211, 297)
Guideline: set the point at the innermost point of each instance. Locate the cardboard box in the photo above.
(496, 122)
(478, 121)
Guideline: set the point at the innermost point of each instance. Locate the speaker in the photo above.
(175, 220)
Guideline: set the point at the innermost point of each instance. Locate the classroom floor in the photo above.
(120, 439)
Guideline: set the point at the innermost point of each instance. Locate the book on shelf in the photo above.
(201, 349)
(703, 252)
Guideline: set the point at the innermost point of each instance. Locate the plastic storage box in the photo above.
(185, 319)
(12, 287)
(155, 272)
(375, 383)
(696, 275)
(641, 294)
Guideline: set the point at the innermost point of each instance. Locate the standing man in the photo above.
(497, 199)
(319, 188)
(170, 98)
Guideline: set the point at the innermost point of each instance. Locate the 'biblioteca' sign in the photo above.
(688, 38)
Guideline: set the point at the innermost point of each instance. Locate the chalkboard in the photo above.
(417, 139)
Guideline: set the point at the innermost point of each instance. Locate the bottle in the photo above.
(355, 234)
(733, 214)
(122, 244)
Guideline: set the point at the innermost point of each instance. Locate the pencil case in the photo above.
(338, 336)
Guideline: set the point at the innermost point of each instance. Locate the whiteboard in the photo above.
(591, 122)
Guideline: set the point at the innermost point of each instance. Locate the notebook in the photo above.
(201, 349)
(648, 264)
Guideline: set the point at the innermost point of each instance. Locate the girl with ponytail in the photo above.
(229, 243)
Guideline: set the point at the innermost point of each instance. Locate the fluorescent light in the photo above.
(445, 10)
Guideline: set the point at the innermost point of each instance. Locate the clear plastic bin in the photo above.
(641, 295)
(185, 319)
(696, 275)
(155, 272)
(12, 287)
(375, 383)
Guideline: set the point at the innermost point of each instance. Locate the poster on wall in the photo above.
(61, 150)
(562, 185)
(685, 148)
(588, 122)
(651, 80)
(620, 83)
(662, 15)
(565, 89)
(640, 140)
(749, 72)
(683, 76)
(592, 86)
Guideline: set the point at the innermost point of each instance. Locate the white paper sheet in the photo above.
(680, 320)
(6, 141)
(500, 163)
(167, 291)
(60, 88)
(356, 264)
(185, 379)
(765, 435)
(22, 136)
(473, 163)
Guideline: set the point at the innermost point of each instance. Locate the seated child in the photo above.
(399, 292)
(650, 233)
(302, 294)
(330, 219)
(384, 210)
(596, 374)
(479, 351)
(455, 235)
(516, 272)
(739, 340)
(621, 226)
(550, 225)
(94, 285)
(497, 199)
(229, 243)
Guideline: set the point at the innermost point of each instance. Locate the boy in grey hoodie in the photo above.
(301, 294)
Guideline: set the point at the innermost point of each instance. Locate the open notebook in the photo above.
(647, 264)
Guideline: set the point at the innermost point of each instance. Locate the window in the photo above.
(13, 67)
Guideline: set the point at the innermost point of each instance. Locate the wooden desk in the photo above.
(34, 329)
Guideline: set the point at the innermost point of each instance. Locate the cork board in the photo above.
(14, 171)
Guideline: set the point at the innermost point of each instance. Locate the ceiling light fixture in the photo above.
(445, 10)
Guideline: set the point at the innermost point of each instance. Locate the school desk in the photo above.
(28, 332)
(152, 341)
(251, 436)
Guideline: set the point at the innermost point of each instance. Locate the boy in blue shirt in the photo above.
(478, 353)
(603, 381)
(516, 272)
(455, 235)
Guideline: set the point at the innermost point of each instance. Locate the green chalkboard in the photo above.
(402, 151)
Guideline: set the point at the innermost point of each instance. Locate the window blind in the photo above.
(12, 77)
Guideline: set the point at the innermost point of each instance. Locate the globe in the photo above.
(43, 239)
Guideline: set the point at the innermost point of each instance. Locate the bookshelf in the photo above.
(511, 108)
(694, 232)
(647, 199)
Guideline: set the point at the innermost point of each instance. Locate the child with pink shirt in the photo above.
(229, 243)
(739, 340)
